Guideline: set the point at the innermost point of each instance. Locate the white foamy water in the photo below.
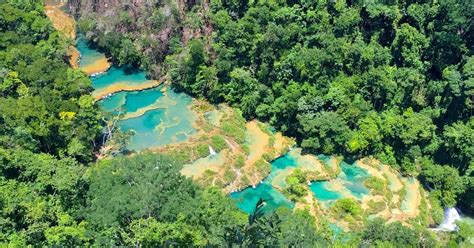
(212, 152)
(451, 215)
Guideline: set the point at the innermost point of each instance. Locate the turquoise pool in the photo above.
(88, 55)
(130, 101)
(352, 178)
(116, 75)
(322, 193)
(247, 198)
(157, 116)
(169, 121)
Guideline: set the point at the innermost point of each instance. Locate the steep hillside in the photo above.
(140, 32)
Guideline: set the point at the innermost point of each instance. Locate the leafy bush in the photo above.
(347, 206)
(239, 161)
(202, 150)
(218, 143)
(376, 184)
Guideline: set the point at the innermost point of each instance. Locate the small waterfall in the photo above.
(212, 152)
(451, 215)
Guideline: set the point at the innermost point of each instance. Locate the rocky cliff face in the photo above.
(79, 7)
(150, 25)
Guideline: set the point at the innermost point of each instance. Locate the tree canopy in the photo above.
(390, 79)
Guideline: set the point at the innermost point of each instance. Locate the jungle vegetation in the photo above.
(391, 80)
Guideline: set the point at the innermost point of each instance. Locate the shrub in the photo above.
(263, 167)
(376, 184)
(240, 161)
(347, 206)
(202, 150)
(229, 176)
(218, 143)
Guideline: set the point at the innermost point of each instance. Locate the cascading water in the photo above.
(212, 153)
(451, 215)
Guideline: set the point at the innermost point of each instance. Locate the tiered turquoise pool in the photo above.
(119, 75)
(248, 198)
(352, 178)
(157, 116)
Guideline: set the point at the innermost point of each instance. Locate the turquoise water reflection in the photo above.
(170, 121)
(88, 55)
(247, 198)
(130, 101)
(322, 193)
(352, 179)
(117, 75)
(157, 116)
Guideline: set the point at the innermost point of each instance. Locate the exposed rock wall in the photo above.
(150, 24)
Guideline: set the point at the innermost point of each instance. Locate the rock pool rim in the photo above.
(161, 84)
(261, 181)
(266, 177)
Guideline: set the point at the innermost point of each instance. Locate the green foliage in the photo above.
(279, 229)
(347, 206)
(233, 125)
(376, 184)
(298, 229)
(151, 233)
(296, 185)
(376, 207)
(218, 143)
(392, 80)
(379, 234)
(229, 176)
(147, 195)
(445, 182)
(240, 161)
(263, 167)
(463, 237)
(49, 129)
(202, 150)
(436, 211)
